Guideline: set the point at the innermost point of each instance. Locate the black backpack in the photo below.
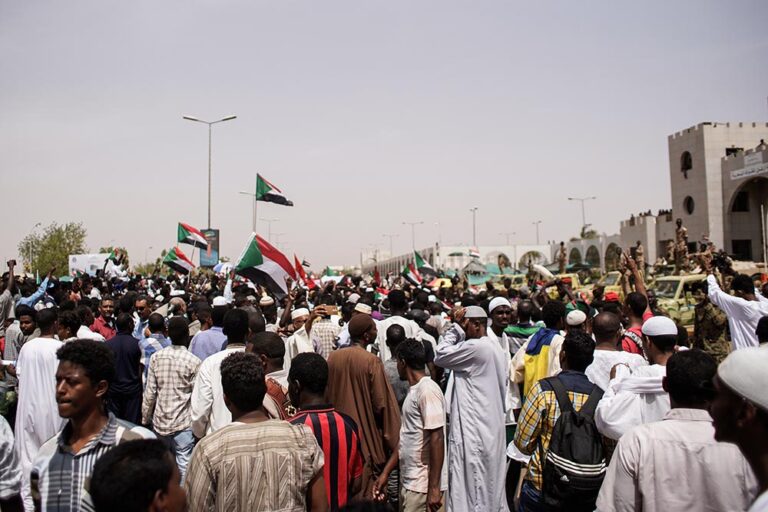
(575, 465)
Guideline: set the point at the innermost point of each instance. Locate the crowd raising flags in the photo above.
(263, 264)
(192, 236)
(178, 261)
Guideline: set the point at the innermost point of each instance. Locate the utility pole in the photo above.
(474, 226)
(413, 231)
(537, 231)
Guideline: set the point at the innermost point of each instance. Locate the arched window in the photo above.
(686, 163)
(689, 205)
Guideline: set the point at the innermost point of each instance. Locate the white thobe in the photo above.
(743, 314)
(412, 330)
(208, 410)
(297, 343)
(37, 415)
(631, 400)
(476, 441)
(676, 464)
(512, 396)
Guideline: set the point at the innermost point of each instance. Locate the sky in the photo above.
(365, 114)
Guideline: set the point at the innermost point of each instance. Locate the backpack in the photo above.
(574, 465)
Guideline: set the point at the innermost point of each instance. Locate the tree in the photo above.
(51, 248)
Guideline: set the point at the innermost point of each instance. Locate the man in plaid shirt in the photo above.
(540, 412)
(168, 396)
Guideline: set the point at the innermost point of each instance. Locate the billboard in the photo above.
(210, 256)
(87, 263)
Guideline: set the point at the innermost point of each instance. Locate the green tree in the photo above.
(51, 248)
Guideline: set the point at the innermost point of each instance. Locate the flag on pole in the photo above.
(265, 191)
(421, 262)
(265, 265)
(112, 255)
(473, 252)
(305, 263)
(186, 234)
(411, 274)
(302, 275)
(178, 261)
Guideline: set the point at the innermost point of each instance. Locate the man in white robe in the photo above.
(37, 415)
(299, 341)
(476, 442)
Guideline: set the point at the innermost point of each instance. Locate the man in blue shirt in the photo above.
(154, 343)
(143, 310)
(30, 298)
(208, 342)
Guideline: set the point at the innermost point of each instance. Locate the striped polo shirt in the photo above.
(60, 477)
(337, 435)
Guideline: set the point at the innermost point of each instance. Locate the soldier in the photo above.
(562, 257)
(681, 247)
(640, 257)
(710, 325)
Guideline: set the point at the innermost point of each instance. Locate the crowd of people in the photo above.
(209, 392)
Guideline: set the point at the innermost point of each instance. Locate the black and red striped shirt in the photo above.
(337, 435)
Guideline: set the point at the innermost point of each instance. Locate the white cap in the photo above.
(298, 313)
(177, 293)
(498, 301)
(431, 298)
(266, 300)
(576, 317)
(353, 298)
(475, 312)
(743, 371)
(659, 326)
(219, 301)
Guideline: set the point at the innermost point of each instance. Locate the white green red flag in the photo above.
(411, 274)
(266, 191)
(473, 252)
(178, 261)
(421, 262)
(302, 275)
(187, 234)
(265, 265)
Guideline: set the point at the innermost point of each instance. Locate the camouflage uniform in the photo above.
(710, 331)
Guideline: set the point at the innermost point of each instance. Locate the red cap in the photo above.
(611, 297)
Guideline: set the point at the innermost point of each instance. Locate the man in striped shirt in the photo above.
(336, 433)
(63, 466)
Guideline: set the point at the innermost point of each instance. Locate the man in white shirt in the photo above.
(209, 412)
(636, 396)
(606, 329)
(299, 341)
(398, 305)
(740, 412)
(423, 472)
(744, 309)
(707, 475)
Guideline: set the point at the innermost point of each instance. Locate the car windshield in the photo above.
(666, 289)
(611, 279)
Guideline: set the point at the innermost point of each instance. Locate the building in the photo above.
(453, 258)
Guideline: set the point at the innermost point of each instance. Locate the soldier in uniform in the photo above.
(562, 258)
(710, 325)
(681, 247)
(640, 258)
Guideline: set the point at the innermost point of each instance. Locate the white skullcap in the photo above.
(576, 317)
(159, 298)
(363, 308)
(659, 326)
(177, 293)
(266, 300)
(431, 298)
(219, 301)
(475, 312)
(298, 313)
(369, 290)
(353, 298)
(743, 371)
(498, 301)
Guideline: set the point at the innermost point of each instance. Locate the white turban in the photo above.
(498, 301)
(659, 326)
(298, 313)
(743, 371)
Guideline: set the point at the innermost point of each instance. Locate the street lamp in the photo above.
(537, 231)
(582, 200)
(474, 226)
(413, 231)
(508, 234)
(390, 236)
(269, 228)
(145, 254)
(209, 123)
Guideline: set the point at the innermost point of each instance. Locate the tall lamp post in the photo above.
(537, 231)
(583, 200)
(413, 231)
(253, 221)
(474, 226)
(209, 123)
(269, 227)
(391, 236)
(508, 235)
